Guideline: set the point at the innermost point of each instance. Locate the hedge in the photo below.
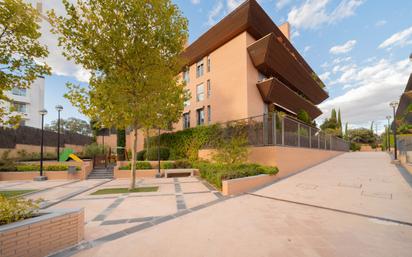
(215, 173)
(185, 144)
(34, 167)
(151, 155)
(139, 166)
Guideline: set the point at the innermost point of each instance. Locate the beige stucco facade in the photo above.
(232, 77)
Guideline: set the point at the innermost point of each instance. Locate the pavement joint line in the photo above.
(103, 215)
(71, 195)
(335, 210)
(47, 188)
(131, 230)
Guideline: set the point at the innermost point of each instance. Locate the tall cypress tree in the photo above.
(339, 120)
(333, 115)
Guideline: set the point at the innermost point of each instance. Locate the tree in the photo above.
(20, 53)
(332, 125)
(362, 136)
(132, 49)
(72, 125)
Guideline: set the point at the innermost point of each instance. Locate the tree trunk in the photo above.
(133, 166)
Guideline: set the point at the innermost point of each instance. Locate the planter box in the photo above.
(86, 168)
(142, 173)
(242, 185)
(43, 235)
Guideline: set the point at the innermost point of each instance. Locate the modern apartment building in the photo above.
(28, 102)
(245, 66)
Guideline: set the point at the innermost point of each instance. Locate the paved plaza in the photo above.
(357, 204)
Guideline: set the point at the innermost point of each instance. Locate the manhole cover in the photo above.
(377, 195)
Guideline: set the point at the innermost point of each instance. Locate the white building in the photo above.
(28, 102)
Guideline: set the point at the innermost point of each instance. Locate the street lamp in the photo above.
(59, 108)
(41, 177)
(394, 104)
(388, 134)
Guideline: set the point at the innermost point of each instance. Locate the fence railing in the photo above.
(276, 129)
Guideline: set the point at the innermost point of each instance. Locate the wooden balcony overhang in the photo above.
(271, 58)
(250, 17)
(274, 91)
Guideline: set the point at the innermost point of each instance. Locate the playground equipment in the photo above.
(69, 153)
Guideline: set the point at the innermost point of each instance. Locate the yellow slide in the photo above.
(74, 157)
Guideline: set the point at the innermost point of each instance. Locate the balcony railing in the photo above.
(275, 129)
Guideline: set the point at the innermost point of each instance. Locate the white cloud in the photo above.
(341, 49)
(401, 38)
(59, 64)
(307, 48)
(380, 23)
(214, 13)
(312, 14)
(325, 75)
(282, 3)
(233, 4)
(195, 1)
(371, 88)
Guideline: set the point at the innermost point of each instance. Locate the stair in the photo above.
(101, 173)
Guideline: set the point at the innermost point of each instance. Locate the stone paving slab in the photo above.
(255, 226)
(31, 185)
(365, 183)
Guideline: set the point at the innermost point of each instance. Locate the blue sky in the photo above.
(360, 48)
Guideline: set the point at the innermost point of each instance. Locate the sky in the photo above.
(359, 48)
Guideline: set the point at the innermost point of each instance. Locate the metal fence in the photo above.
(404, 144)
(276, 129)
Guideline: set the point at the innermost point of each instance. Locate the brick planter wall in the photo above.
(242, 185)
(40, 236)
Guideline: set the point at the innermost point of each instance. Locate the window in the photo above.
(20, 107)
(19, 91)
(186, 75)
(208, 88)
(199, 69)
(186, 120)
(200, 116)
(208, 64)
(200, 92)
(209, 114)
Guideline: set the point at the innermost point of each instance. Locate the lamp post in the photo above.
(41, 177)
(388, 136)
(59, 108)
(394, 104)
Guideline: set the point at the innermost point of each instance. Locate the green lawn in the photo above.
(11, 193)
(123, 190)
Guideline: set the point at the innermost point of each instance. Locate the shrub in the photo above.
(182, 164)
(6, 163)
(139, 166)
(141, 155)
(233, 148)
(185, 144)
(355, 146)
(36, 167)
(94, 149)
(151, 155)
(167, 165)
(15, 209)
(214, 173)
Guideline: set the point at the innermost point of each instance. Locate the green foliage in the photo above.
(16, 209)
(167, 165)
(23, 155)
(72, 125)
(94, 150)
(214, 173)
(303, 116)
(141, 155)
(139, 166)
(182, 164)
(151, 155)
(355, 146)
(121, 144)
(36, 167)
(6, 163)
(185, 144)
(333, 125)
(133, 51)
(233, 148)
(20, 53)
(362, 136)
